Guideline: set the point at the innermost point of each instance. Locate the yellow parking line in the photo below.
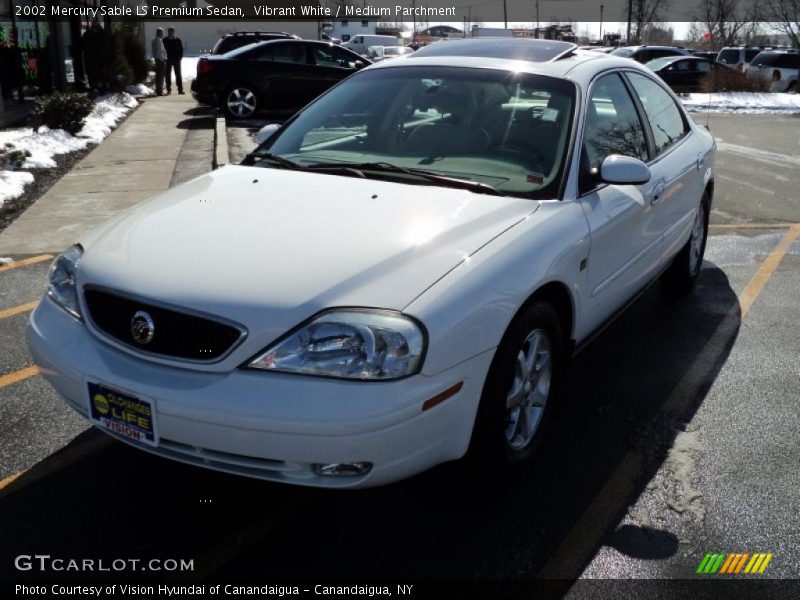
(767, 268)
(15, 310)
(10, 479)
(18, 376)
(753, 226)
(571, 556)
(25, 262)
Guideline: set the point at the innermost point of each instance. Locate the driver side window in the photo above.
(612, 127)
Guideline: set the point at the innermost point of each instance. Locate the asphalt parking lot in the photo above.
(681, 437)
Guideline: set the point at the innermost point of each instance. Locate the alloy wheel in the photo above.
(530, 389)
(241, 102)
(698, 241)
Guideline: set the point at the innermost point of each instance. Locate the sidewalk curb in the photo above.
(221, 144)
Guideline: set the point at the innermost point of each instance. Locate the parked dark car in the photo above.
(710, 55)
(232, 41)
(684, 73)
(277, 76)
(645, 54)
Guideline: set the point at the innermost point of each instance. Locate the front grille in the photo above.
(175, 334)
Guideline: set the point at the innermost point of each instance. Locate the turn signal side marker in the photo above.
(439, 398)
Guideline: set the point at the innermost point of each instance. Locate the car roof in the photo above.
(508, 48)
(577, 65)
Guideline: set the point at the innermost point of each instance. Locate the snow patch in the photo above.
(684, 497)
(5, 261)
(43, 144)
(108, 109)
(743, 102)
(140, 89)
(12, 183)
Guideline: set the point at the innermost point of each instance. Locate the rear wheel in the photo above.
(682, 273)
(520, 388)
(240, 102)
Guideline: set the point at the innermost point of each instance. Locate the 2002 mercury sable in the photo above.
(396, 276)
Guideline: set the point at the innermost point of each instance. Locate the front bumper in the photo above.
(269, 425)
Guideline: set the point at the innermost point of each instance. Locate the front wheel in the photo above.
(520, 388)
(682, 273)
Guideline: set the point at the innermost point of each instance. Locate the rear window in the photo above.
(626, 52)
(729, 57)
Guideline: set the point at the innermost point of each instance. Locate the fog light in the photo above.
(342, 469)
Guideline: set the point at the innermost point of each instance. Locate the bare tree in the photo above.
(730, 21)
(784, 16)
(645, 12)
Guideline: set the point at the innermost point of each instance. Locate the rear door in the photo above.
(677, 164)
(625, 241)
(284, 73)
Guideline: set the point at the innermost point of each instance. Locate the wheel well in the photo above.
(710, 192)
(557, 295)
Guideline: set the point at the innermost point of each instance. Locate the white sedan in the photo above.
(395, 278)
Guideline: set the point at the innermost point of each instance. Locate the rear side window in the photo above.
(666, 119)
(788, 61)
(765, 58)
(333, 57)
(283, 53)
(729, 57)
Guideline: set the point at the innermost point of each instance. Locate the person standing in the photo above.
(160, 58)
(174, 47)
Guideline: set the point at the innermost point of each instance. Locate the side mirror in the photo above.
(624, 170)
(359, 64)
(266, 131)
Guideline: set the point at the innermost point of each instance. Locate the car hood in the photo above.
(268, 248)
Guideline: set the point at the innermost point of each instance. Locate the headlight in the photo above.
(351, 344)
(61, 286)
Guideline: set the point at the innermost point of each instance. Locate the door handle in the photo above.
(658, 193)
(701, 160)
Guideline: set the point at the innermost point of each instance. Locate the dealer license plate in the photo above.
(123, 414)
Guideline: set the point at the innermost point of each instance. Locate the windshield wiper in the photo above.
(274, 158)
(383, 167)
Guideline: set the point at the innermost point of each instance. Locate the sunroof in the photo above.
(511, 48)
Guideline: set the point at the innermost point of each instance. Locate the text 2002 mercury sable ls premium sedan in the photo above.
(396, 276)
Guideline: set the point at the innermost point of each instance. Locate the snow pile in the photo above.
(108, 109)
(12, 184)
(141, 89)
(743, 102)
(45, 143)
(5, 261)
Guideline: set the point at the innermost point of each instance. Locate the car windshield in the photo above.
(624, 52)
(499, 131)
(658, 63)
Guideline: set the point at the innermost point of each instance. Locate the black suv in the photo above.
(232, 41)
(277, 76)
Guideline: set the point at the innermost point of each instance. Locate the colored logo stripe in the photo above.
(733, 563)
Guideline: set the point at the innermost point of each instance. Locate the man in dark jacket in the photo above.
(174, 48)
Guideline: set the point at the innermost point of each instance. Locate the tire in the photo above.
(240, 101)
(681, 275)
(499, 438)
